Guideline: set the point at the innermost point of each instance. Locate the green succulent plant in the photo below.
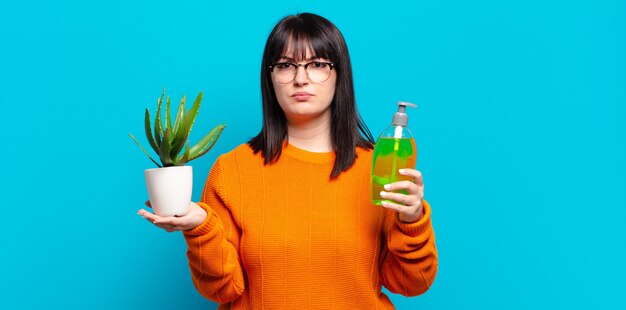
(170, 140)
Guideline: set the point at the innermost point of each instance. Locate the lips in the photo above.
(301, 96)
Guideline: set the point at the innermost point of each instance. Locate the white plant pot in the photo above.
(170, 189)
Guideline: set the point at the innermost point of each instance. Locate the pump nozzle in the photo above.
(400, 118)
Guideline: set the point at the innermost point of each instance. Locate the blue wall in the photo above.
(521, 133)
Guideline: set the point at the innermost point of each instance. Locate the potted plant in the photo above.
(170, 185)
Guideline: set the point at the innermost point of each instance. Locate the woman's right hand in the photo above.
(191, 220)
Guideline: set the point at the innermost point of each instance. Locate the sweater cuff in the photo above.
(416, 228)
(209, 222)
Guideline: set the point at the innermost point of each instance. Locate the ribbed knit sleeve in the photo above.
(213, 246)
(410, 265)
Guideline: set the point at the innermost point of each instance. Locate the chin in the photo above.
(305, 114)
(302, 108)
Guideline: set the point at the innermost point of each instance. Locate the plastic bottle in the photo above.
(395, 149)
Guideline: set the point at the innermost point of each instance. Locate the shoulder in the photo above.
(241, 155)
(243, 149)
(228, 167)
(362, 162)
(363, 154)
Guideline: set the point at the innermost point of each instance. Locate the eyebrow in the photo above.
(287, 58)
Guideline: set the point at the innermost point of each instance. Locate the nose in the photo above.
(301, 77)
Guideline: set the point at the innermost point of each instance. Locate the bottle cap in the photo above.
(400, 118)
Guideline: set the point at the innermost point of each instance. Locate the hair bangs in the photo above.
(299, 38)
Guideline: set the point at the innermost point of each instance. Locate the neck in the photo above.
(311, 135)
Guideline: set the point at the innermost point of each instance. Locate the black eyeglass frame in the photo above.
(306, 67)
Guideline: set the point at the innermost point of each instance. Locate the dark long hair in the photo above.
(348, 130)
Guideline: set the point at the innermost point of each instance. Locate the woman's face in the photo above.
(302, 99)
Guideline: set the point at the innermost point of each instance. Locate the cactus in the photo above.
(169, 142)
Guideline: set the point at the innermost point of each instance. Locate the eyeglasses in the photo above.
(317, 71)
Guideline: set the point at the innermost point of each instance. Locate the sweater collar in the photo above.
(308, 156)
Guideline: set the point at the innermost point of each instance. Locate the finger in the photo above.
(166, 221)
(174, 220)
(162, 222)
(411, 187)
(407, 200)
(147, 203)
(148, 216)
(394, 206)
(415, 174)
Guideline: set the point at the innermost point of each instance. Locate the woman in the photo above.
(285, 221)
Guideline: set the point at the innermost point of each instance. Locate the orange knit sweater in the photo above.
(284, 236)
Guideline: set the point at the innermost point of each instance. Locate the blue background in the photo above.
(520, 130)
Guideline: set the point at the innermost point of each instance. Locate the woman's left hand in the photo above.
(409, 206)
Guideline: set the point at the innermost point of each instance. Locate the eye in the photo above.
(317, 65)
(283, 66)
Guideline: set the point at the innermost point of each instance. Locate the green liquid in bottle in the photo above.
(390, 155)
